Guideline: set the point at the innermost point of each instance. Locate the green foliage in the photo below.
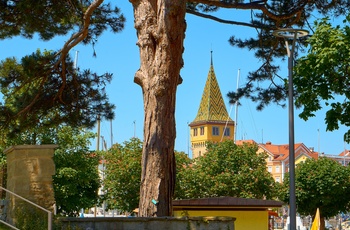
(323, 184)
(76, 181)
(322, 77)
(227, 170)
(182, 163)
(123, 175)
(4, 227)
(37, 98)
(29, 217)
(54, 17)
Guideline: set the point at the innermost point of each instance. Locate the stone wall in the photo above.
(151, 223)
(29, 174)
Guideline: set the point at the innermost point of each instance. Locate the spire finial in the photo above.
(211, 57)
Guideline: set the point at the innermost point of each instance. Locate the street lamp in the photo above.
(291, 34)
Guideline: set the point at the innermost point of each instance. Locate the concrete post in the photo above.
(29, 174)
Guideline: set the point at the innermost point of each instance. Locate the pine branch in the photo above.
(226, 21)
(74, 40)
(255, 5)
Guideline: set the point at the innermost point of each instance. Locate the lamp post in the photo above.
(291, 34)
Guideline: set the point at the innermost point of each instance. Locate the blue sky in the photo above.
(118, 54)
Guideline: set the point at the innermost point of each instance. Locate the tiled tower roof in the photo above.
(212, 106)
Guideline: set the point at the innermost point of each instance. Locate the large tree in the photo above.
(227, 170)
(160, 26)
(323, 184)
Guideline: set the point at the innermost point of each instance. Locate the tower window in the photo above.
(195, 132)
(227, 131)
(202, 130)
(215, 131)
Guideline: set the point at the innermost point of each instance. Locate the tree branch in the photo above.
(74, 40)
(225, 21)
(28, 107)
(256, 5)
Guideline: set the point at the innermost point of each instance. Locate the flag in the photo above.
(316, 224)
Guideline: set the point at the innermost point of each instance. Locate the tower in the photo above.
(212, 122)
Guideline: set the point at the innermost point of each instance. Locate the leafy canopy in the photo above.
(323, 184)
(227, 170)
(123, 175)
(77, 180)
(55, 17)
(322, 77)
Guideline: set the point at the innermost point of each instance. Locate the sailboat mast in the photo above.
(111, 127)
(76, 60)
(236, 108)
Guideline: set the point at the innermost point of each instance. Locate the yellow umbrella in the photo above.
(316, 223)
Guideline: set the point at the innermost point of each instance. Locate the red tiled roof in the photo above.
(279, 149)
(281, 152)
(313, 155)
(345, 152)
(241, 142)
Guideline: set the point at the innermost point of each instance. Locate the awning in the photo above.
(272, 213)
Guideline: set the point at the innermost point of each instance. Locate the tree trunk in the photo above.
(322, 223)
(160, 26)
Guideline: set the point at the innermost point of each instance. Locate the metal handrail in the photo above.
(49, 218)
(7, 224)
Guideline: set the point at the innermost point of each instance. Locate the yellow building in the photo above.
(277, 161)
(212, 122)
(250, 214)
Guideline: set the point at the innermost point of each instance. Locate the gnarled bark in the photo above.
(160, 26)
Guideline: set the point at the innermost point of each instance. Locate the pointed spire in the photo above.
(212, 106)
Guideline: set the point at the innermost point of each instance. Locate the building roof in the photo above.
(345, 153)
(227, 202)
(212, 106)
(242, 142)
(278, 149)
(281, 152)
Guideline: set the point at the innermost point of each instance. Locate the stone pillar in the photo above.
(29, 174)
